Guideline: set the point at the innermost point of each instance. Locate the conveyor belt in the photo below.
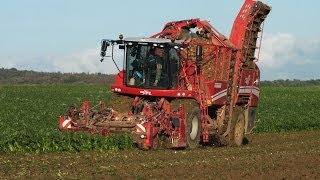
(259, 14)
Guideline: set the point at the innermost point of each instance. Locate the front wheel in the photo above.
(193, 128)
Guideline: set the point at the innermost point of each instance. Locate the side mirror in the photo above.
(104, 46)
(199, 52)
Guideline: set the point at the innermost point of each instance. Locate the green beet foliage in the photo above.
(288, 109)
(29, 116)
(29, 119)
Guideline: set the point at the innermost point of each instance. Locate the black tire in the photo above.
(193, 128)
(236, 135)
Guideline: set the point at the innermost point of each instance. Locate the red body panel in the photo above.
(241, 21)
(120, 87)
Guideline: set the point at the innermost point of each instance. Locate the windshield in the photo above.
(149, 66)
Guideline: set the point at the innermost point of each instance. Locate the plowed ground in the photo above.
(293, 155)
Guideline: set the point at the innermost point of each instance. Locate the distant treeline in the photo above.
(14, 76)
(290, 83)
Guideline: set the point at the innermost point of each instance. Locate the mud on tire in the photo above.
(237, 128)
(193, 128)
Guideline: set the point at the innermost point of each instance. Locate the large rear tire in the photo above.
(193, 128)
(237, 129)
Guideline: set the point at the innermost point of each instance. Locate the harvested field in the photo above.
(294, 155)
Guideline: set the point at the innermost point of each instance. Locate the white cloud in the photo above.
(276, 50)
(86, 60)
(7, 62)
(284, 56)
(282, 49)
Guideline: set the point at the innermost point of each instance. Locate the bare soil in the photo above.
(294, 155)
(120, 103)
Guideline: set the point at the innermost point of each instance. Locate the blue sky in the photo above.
(65, 35)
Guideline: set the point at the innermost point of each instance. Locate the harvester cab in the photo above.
(149, 63)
